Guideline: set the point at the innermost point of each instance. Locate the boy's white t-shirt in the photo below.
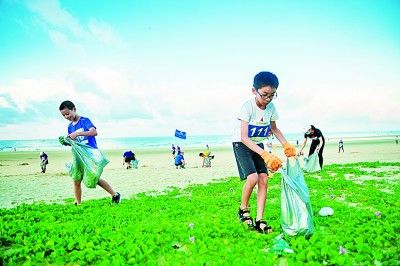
(259, 121)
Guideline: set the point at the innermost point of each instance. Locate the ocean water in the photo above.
(165, 142)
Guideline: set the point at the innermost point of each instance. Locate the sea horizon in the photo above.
(167, 141)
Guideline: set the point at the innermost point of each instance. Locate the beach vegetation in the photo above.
(198, 225)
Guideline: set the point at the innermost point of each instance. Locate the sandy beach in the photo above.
(22, 182)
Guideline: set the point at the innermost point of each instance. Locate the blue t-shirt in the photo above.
(83, 124)
(179, 158)
(129, 154)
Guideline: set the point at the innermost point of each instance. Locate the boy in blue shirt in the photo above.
(129, 156)
(179, 160)
(82, 130)
(257, 118)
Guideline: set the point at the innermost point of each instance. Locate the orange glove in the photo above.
(273, 162)
(289, 150)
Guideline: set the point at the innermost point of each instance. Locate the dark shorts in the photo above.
(248, 161)
(128, 160)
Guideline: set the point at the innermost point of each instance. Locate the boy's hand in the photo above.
(273, 162)
(73, 135)
(300, 153)
(61, 139)
(289, 150)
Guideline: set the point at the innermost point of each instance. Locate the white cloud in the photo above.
(63, 42)
(25, 93)
(49, 128)
(68, 33)
(104, 32)
(56, 17)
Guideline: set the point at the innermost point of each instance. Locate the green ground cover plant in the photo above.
(199, 226)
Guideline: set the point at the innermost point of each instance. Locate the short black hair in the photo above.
(67, 104)
(264, 79)
(312, 127)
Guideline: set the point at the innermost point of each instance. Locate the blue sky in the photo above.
(144, 68)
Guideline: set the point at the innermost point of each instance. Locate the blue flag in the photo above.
(180, 134)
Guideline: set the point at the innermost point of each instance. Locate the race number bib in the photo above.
(81, 139)
(259, 132)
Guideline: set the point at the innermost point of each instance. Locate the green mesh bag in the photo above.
(296, 212)
(311, 164)
(87, 163)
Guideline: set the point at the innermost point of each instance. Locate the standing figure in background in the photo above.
(317, 143)
(341, 146)
(397, 139)
(178, 149)
(173, 150)
(44, 160)
(269, 143)
(207, 157)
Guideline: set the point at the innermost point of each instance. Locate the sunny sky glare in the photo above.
(145, 68)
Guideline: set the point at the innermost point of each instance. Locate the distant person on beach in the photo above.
(317, 143)
(173, 150)
(207, 157)
(178, 149)
(269, 142)
(129, 160)
(81, 129)
(297, 143)
(255, 120)
(397, 139)
(341, 146)
(44, 161)
(180, 160)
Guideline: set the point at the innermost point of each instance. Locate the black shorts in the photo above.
(248, 161)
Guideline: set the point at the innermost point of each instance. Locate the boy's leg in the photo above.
(116, 197)
(77, 191)
(104, 184)
(248, 187)
(262, 186)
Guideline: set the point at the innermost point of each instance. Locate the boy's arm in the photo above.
(288, 148)
(304, 144)
(278, 134)
(91, 132)
(321, 142)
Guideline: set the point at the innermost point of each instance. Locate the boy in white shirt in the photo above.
(255, 121)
